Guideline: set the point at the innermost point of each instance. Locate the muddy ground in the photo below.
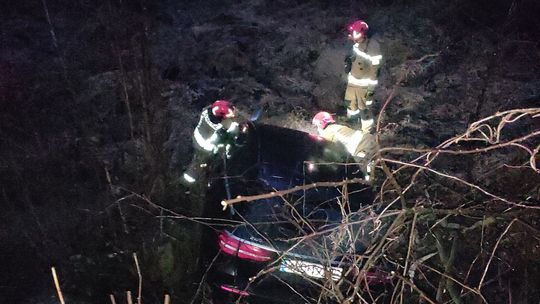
(99, 101)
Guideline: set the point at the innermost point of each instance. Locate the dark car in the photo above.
(293, 248)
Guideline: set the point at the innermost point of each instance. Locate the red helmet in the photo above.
(322, 119)
(222, 108)
(359, 26)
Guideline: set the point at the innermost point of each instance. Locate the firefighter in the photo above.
(360, 145)
(216, 130)
(362, 67)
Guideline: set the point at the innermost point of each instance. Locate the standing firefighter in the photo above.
(362, 67)
(216, 130)
(361, 145)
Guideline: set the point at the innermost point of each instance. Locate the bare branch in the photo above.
(238, 199)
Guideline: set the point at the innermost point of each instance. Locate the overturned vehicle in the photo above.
(301, 219)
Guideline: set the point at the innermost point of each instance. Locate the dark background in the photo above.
(98, 100)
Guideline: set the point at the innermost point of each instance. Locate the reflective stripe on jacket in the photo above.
(365, 63)
(205, 133)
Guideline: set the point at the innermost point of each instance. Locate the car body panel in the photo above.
(290, 229)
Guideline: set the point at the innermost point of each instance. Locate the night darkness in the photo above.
(99, 100)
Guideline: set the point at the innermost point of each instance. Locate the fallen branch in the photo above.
(461, 152)
(249, 198)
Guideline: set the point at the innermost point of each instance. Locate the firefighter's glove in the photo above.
(376, 60)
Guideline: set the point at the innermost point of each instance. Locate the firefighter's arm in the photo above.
(374, 60)
(233, 128)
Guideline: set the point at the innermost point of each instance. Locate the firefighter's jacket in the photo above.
(210, 130)
(359, 144)
(362, 65)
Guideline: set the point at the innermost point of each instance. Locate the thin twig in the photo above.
(203, 279)
(455, 281)
(128, 296)
(463, 182)
(409, 249)
(413, 286)
(57, 285)
(460, 152)
(56, 46)
(140, 277)
(493, 253)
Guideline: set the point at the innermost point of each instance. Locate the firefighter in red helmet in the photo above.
(362, 67)
(215, 124)
(360, 145)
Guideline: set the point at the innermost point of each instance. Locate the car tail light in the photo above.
(234, 290)
(233, 246)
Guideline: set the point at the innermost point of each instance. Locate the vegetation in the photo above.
(99, 100)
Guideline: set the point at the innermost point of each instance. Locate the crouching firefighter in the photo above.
(362, 68)
(360, 145)
(215, 132)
